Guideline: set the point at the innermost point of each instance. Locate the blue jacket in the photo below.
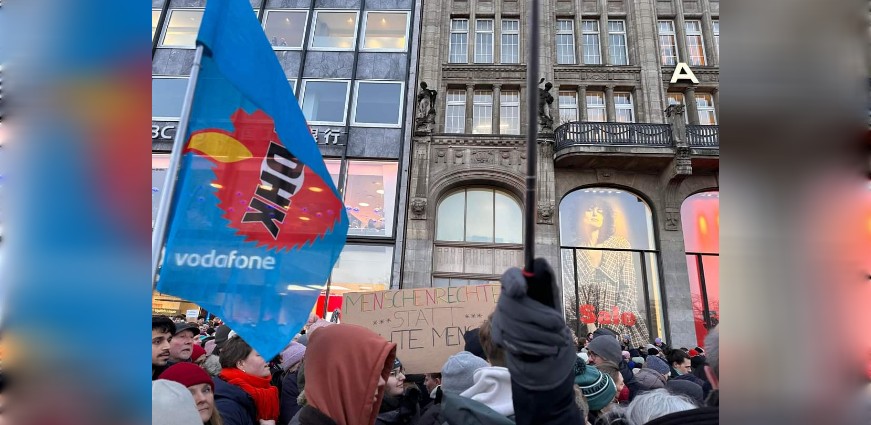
(234, 404)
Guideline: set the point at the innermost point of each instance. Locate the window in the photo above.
(617, 50)
(695, 45)
(459, 49)
(378, 103)
(482, 112)
(716, 31)
(155, 17)
(479, 215)
(568, 106)
(483, 41)
(596, 106)
(700, 220)
(705, 106)
(677, 99)
(369, 196)
(182, 28)
(362, 268)
(455, 112)
(607, 247)
(510, 41)
(592, 53)
(623, 107)
(285, 29)
(167, 96)
(334, 30)
(509, 112)
(323, 102)
(386, 31)
(292, 86)
(667, 45)
(565, 42)
(441, 282)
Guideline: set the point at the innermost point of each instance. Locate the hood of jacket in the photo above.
(650, 379)
(341, 384)
(459, 410)
(492, 387)
(230, 399)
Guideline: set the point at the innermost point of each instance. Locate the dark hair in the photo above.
(608, 223)
(163, 324)
(179, 316)
(495, 354)
(234, 351)
(677, 356)
(210, 331)
(435, 375)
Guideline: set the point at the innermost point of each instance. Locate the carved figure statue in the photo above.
(426, 101)
(545, 100)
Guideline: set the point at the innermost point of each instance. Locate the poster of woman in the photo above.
(602, 283)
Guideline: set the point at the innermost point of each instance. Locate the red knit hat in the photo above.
(187, 374)
(197, 352)
(693, 353)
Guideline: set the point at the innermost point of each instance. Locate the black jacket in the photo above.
(309, 415)
(288, 395)
(402, 410)
(234, 404)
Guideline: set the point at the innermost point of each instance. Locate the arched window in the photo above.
(610, 264)
(478, 236)
(700, 217)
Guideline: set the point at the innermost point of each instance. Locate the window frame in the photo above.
(590, 107)
(715, 30)
(561, 106)
(363, 47)
(686, 115)
(712, 109)
(302, 93)
(622, 106)
(611, 46)
(168, 77)
(398, 124)
(154, 27)
(313, 27)
(695, 33)
(571, 34)
(598, 37)
(502, 43)
(451, 32)
(465, 189)
(449, 103)
(168, 20)
(304, 29)
(482, 104)
(672, 33)
(484, 33)
(509, 104)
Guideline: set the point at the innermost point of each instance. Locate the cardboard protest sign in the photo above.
(426, 324)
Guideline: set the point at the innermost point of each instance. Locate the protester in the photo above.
(344, 389)
(198, 355)
(181, 346)
(400, 403)
(291, 359)
(657, 364)
(654, 404)
(212, 365)
(473, 343)
(606, 348)
(201, 387)
(432, 382)
(649, 379)
(162, 328)
(458, 375)
(598, 388)
(243, 392)
(172, 404)
(222, 332)
(687, 389)
(612, 370)
(679, 362)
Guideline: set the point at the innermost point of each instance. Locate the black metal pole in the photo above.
(532, 66)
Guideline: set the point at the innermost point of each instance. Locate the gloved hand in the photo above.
(530, 327)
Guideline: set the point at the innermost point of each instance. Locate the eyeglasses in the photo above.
(395, 372)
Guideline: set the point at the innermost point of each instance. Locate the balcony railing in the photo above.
(632, 134)
(703, 136)
(612, 133)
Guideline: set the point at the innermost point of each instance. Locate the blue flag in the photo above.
(256, 222)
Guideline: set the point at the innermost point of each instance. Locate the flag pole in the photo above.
(158, 234)
(532, 66)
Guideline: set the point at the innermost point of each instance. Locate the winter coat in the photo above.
(649, 379)
(459, 410)
(629, 380)
(706, 386)
(308, 415)
(432, 415)
(552, 407)
(700, 416)
(234, 404)
(287, 398)
(492, 387)
(400, 410)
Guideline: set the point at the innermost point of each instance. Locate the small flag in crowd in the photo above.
(256, 223)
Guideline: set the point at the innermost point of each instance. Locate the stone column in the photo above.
(611, 111)
(680, 33)
(604, 41)
(716, 95)
(497, 106)
(582, 103)
(640, 113)
(579, 39)
(708, 34)
(692, 109)
(470, 101)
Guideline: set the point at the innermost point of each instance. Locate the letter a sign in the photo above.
(683, 72)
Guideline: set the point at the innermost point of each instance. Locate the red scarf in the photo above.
(264, 394)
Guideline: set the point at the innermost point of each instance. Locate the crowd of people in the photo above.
(522, 366)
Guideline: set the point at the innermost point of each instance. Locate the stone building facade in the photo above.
(610, 63)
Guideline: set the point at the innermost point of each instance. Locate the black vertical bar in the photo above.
(577, 296)
(160, 22)
(532, 74)
(706, 313)
(644, 282)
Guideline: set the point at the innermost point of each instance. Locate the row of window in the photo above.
(565, 41)
(384, 31)
(324, 102)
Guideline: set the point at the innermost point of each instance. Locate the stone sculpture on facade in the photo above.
(545, 100)
(426, 100)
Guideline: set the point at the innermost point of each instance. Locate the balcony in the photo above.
(632, 134)
(703, 136)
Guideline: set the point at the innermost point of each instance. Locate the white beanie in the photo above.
(459, 371)
(172, 404)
